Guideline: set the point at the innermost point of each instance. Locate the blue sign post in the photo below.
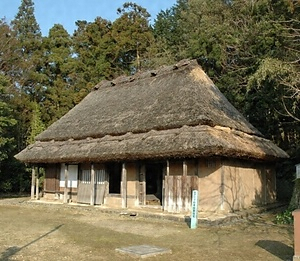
(194, 214)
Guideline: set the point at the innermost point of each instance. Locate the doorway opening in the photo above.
(114, 171)
(154, 182)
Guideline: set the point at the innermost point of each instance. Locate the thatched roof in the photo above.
(176, 111)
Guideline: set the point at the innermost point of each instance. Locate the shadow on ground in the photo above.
(11, 251)
(277, 249)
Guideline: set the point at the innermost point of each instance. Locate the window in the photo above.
(72, 177)
(85, 176)
(100, 176)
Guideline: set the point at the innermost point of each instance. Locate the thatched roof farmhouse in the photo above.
(155, 120)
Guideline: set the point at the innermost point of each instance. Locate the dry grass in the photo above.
(56, 232)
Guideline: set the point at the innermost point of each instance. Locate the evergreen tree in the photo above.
(171, 34)
(132, 35)
(94, 54)
(36, 124)
(7, 121)
(7, 140)
(28, 75)
(59, 70)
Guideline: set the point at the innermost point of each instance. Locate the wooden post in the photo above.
(168, 168)
(92, 202)
(222, 186)
(37, 184)
(163, 187)
(124, 186)
(66, 198)
(184, 168)
(142, 185)
(296, 215)
(32, 182)
(137, 185)
(166, 187)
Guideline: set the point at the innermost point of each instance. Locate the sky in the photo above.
(67, 12)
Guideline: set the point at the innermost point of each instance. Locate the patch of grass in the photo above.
(284, 217)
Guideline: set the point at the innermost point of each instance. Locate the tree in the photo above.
(59, 70)
(94, 55)
(6, 122)
(132, 35)
(36, 124)
(28, 77)
(171, 34)
(7, 140)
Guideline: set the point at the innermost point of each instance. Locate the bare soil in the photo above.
(39, 231)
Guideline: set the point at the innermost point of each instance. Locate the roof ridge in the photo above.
(144, 74)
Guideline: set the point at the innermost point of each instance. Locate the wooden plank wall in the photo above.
(84, 187)
(52, 178)
(178, 192)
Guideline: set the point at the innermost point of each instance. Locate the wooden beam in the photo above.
(32, 182)
(92, 202)
(66, 198)
(124, 186)
(37, 184)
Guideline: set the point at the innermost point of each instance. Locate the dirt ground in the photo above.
(36, 231)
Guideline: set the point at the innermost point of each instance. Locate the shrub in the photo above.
(285, 217)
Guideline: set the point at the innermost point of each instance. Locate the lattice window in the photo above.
(101, 176)
(86, 176)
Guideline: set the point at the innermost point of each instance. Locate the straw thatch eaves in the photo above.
(176, 111)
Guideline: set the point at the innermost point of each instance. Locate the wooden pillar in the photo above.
(124, 186)
(222, 186)
(66, 197)
(142, 188)
(32, 182)
(137, 185)
(168, 168)
(37, 183)
(184, 168)
(264, 173)
(166, 187)
(296, 215)
(92, 202)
